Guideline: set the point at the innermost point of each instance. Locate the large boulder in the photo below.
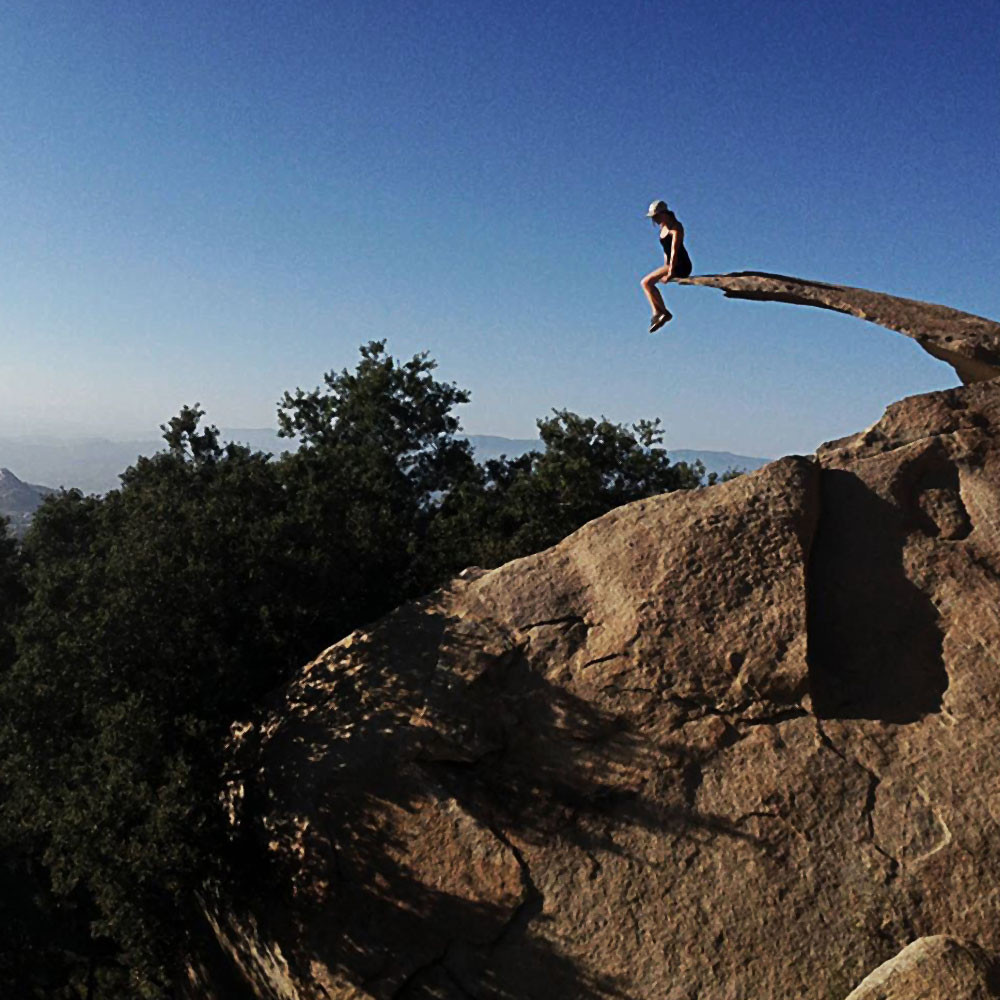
(736, 742)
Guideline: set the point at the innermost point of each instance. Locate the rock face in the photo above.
(970, 344)
(933, 968)
(733, 743)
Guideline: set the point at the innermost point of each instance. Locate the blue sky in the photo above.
(216, 202)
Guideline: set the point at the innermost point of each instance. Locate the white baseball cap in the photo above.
(656, 208)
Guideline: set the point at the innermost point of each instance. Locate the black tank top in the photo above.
(682, 266)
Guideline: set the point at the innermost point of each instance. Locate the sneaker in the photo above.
(657, 321)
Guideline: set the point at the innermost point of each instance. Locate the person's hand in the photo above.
(666, 277)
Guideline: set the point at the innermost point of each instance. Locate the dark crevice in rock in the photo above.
(603, 659)
(531, 903)
(757, 814)
(413, 987)
(563, 620)
(700, 707)
(735, 716)
(786, 715)
(824, 738)
(873, 782)
(401, 990)
(692, 777)
(595, 865)
(730, 737)
(874, 638)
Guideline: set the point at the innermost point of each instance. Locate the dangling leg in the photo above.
(661, 314)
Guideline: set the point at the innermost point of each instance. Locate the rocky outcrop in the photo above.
(736, 742)
(933, 968)
(970, 344)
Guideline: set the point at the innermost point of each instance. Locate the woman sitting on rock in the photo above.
(676, 262)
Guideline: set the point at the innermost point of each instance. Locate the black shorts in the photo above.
(682, 266)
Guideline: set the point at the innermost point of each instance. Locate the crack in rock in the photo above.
(602, 659)
(400, 991)
(734, 715)
(868, 810)
(757, 814)
(533, 901)
(773, 720)
(562, 620)
(438, 963)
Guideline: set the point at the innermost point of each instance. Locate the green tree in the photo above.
(379, 449)
(154, 618)
(587, 468)
(12, 592)
(46, 948)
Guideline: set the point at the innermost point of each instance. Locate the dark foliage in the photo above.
(11, 593)
(378, 449)
(150, 621)
(520, 505)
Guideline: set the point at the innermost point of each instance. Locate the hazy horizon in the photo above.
(93, 464)
(227, 433)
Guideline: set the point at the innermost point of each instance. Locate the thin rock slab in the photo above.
(969, 343)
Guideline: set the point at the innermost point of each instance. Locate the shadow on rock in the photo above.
(874, 637)
(399, 807)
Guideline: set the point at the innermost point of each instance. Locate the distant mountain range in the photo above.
(93, 465)
(19, 500)
(718, 461)
(487, 446)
